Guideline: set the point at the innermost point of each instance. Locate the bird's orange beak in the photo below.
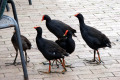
(36, 27)
(65, 33)
(43, 17)
(76, 14)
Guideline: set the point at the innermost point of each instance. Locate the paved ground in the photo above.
(101, 14)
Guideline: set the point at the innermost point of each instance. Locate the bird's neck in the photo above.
(14, 34)
(69, 40)
(39, 35)
(48, 19)
(69, 37)
(82, 24)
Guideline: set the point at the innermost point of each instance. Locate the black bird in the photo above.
(67, 43)
(49, 49)
(93, 37)
(26, 44)
(57, 27)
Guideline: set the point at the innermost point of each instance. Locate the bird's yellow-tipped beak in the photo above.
(42, 18)
(76, 14)
(65, 33)
(36, 27)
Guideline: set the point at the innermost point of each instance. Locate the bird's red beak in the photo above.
(65, 33)
(43, 17)
(76, 14)
(36, 27)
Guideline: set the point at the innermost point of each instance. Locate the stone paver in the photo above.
(101, 14)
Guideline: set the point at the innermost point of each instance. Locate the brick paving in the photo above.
(101, 14)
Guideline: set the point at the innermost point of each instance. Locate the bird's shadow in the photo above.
(15, 64)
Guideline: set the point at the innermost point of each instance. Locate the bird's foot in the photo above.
(28, 60)
(45, 63)
(14, 63)
(45, 72)
(8, 64)
(98, 62)
(63, 72)
(94, 61)
(57, 65)
(69, 66)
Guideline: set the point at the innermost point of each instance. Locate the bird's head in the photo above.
(79, 16)
(39, 29)
(45, 17)
(68, 33)
(65, 33)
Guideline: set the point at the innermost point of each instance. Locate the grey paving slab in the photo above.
(100, 14)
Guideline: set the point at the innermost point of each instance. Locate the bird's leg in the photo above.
(93, 60)
(26, 57)
(94, 56)
(53, 62)
(29, 59)
(49, 71)
(63, 61)
(63, 66)
(99, 58)
(14, 63)
(49, 66)
(57, 63)
(46, 63)
(67, 65)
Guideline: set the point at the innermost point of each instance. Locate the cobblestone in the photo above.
(101, 14)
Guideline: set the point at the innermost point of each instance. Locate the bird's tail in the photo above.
(109, 45)
(74, 35)
(73, 32)
(66, 54)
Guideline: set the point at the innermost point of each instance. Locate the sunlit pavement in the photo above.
(103, 15)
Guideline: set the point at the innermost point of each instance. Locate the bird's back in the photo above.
(58, 28)
(25, 42)
(67, 44)
(50, 49)
(94, 38)
(61, 43)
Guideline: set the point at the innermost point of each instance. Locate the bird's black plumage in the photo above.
(49, 49)
(57, 27)
(93, 37)
(26, 44)
(67, 43)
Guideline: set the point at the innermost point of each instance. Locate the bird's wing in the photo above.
(55, 49)
(61, 23)
(61, 43)
(25, 41)
(55, 28)
(95, 36)
(94, 32)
